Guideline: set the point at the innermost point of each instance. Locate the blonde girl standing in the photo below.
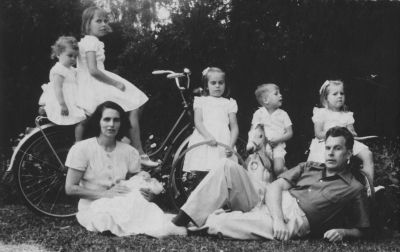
(59, 95)
(215, 121)
(333, 112)
(97, 85)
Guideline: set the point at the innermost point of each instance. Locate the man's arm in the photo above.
(274, 203)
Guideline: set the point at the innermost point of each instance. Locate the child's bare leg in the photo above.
(134, 135)
(134, 132)
(279, 165)
(79, 129)
(368, 162)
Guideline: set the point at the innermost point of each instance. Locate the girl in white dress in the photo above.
(333, 112)
(215, 121)
(97, 169)
(59, 95)
(97, 85)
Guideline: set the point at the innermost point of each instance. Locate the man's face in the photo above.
(336, 153)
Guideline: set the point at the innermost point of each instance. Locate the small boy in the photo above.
(277, 124)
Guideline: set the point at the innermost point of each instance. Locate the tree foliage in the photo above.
(295, 43)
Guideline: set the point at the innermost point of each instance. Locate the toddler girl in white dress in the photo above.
(59, 95)
(215, 121)
(334, 113)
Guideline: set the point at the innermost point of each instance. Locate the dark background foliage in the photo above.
(296, 44)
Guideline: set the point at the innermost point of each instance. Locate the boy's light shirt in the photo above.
(274, 124)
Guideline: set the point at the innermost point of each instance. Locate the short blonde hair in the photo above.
(263, 89)
(61, 44)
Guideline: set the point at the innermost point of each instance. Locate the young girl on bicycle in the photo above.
(97, 85)
(59, 95)
(215, 121)
(333, 112)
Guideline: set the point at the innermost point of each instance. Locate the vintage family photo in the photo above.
(199, 125)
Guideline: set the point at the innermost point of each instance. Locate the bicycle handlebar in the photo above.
(162, 72)
(173, 75)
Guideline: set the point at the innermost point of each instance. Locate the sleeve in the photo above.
(293, 175)
(350, 118)
(198, 102)
(134, 161)
(60, 70)
(256, 118)
(286, 120)
(89, 43)
(77, 157)
(232, 106)
(358, 212)
(318, 115)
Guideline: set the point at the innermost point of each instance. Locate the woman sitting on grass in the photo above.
(97, 168)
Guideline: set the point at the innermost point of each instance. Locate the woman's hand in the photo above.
(64, 110)
(228, 152)
(212, 141)
(147, 194)
(116, 190)
(120, 86)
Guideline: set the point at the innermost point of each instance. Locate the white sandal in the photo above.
(146, 161)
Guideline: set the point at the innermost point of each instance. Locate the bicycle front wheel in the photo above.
(40, 172)
(181, 183)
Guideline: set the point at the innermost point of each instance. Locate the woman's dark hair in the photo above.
(92, 127)
(344, 132)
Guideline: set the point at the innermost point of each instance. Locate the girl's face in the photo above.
(335, 98)
(216, 84)
(110, 123)
(99, 24)
(68, 57)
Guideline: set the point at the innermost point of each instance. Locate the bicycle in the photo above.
(38, 160)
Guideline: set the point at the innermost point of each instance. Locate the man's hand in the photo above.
(281, 231)
(334, 235)
(147, 194)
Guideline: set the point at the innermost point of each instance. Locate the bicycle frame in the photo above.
(174, 133)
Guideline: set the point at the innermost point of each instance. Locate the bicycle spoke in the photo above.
(39, 159)
(43, 195)
(35, 181)
(60, 186)
(41, 188)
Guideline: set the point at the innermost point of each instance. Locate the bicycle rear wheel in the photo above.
(40, 173)
(182, 183)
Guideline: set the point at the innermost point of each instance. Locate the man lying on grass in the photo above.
(311, 198)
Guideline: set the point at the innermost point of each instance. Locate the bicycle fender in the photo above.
(24, 140)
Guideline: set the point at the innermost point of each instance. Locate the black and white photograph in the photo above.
(199, 125)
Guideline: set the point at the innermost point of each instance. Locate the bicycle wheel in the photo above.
(182, 183)
(40, 173)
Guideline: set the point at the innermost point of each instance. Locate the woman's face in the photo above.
(110, 123)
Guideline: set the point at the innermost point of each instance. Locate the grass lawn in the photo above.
(22, 230)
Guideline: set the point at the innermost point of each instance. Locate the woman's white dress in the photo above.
(215, 113)
(330, 119)
(93, 92)
(69, 90)
(130, 214)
